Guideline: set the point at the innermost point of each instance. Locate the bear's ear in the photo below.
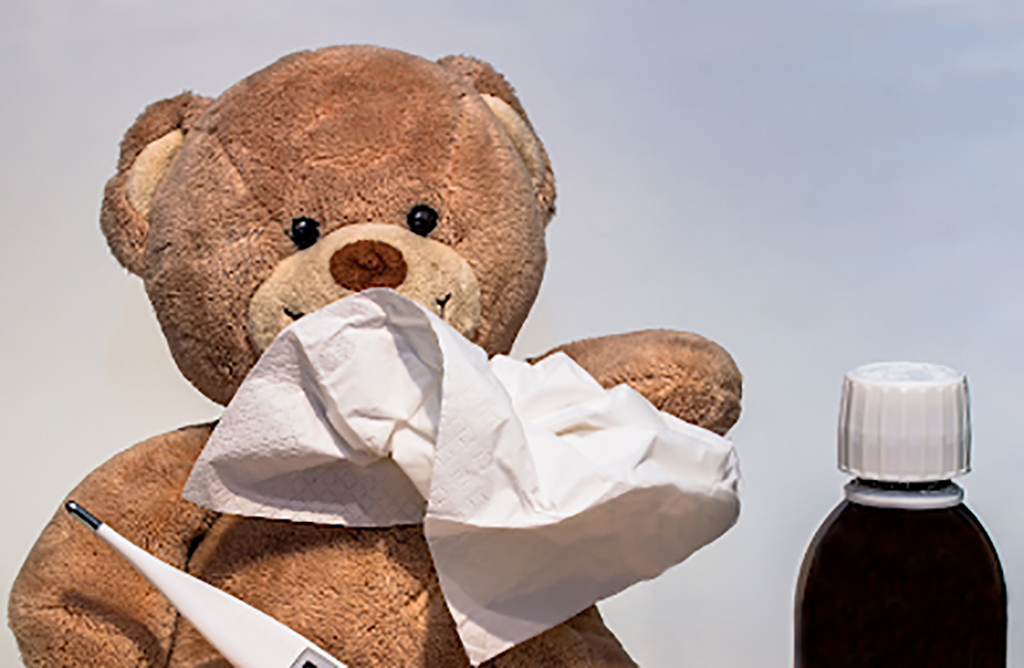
(147, 150)
(501, 98)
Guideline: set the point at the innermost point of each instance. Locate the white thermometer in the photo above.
(247, 637)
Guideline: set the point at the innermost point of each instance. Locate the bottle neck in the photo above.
(904, 495)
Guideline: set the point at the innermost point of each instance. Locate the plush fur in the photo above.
(202, 208)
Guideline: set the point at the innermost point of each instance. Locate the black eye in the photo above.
(304, 232)
(421, 219)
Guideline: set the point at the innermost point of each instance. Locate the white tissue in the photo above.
(540, 492)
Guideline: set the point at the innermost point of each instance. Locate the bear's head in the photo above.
(326, 173)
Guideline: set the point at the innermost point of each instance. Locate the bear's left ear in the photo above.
(147, 150)
(501, 98)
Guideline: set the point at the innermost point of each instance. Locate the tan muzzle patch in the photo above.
(361, 256)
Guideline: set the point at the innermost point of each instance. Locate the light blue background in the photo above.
(813, 185)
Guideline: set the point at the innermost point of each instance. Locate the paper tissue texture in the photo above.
(540, 492)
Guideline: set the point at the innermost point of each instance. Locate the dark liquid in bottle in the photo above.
(891, 587)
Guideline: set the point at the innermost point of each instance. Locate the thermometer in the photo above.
(247, 637)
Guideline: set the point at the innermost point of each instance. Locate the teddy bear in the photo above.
(327, 172)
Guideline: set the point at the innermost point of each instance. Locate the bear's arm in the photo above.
(77, 603)
(680, 373)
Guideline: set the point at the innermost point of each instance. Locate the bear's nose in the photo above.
(368, 264)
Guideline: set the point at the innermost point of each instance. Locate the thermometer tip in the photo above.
(82, 515)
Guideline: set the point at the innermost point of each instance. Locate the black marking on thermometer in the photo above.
(313, 659)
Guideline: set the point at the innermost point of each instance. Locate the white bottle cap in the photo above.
(904, 422)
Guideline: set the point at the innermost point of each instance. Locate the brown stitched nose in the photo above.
(368, 264)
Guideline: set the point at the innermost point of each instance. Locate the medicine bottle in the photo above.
(901, 573)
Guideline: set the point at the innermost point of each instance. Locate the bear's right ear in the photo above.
(502, 100)
(147, 150)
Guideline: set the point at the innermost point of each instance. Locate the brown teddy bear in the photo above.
(327, 172)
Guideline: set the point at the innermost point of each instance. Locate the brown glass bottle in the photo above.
(902, 573)
(918, 585)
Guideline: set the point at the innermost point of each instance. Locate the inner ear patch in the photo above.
(522, 136)
(149, 169)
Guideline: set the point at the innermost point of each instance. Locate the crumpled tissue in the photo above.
(540, 492)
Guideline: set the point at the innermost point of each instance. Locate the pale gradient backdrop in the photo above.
(813, 185)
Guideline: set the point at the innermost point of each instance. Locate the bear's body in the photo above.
(213, 206)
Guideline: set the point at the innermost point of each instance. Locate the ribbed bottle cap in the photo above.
(904, 422)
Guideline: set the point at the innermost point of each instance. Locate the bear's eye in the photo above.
(421, 219)
(304, 233)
